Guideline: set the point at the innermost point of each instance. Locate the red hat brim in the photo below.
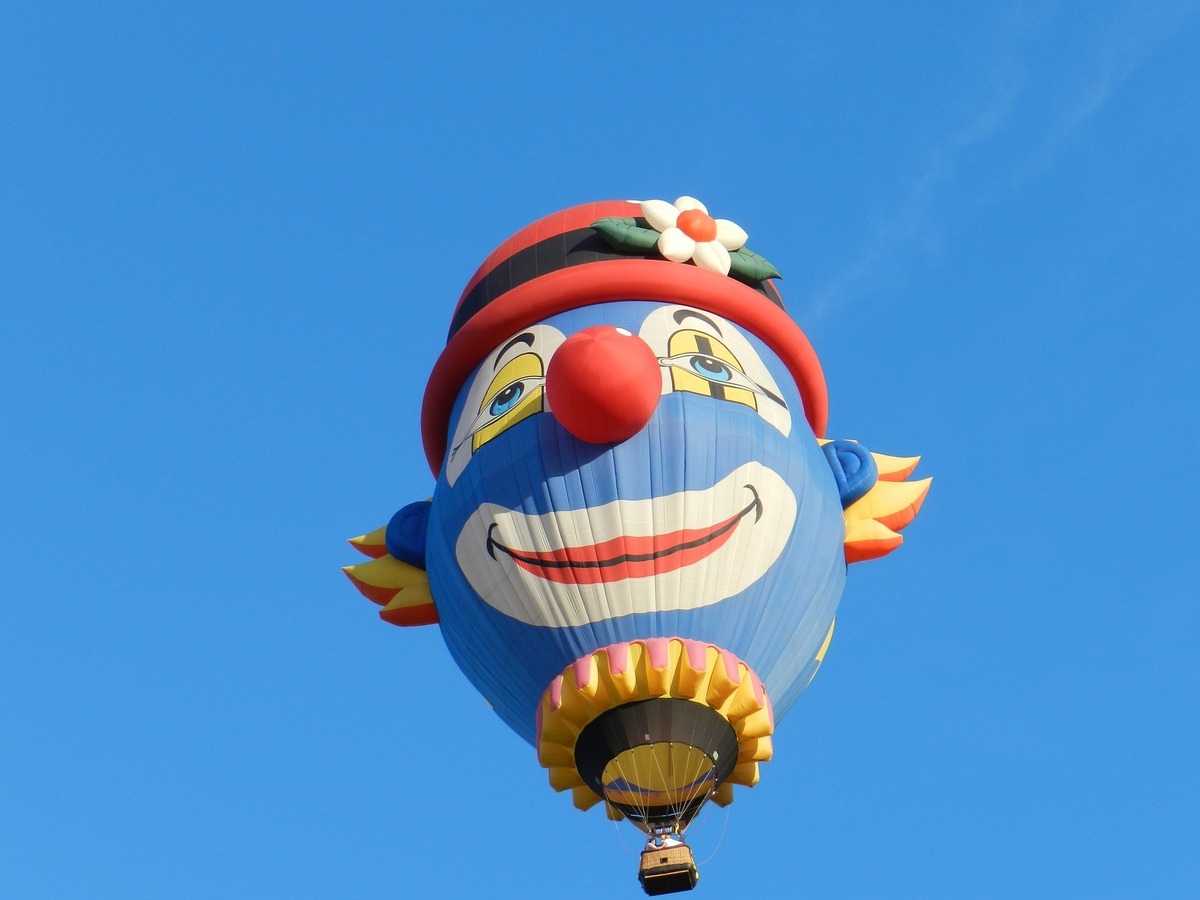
(605, 282)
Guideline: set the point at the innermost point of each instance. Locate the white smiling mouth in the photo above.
(681, 551)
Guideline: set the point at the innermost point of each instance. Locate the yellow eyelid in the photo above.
(690, 341)
(527, 365)
(687, 342)
(529, 405)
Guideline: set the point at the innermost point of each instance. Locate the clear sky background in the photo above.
(231, 238)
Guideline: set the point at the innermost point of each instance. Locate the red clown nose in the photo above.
(603, 384)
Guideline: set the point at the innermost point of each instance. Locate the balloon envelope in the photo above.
(718, 522)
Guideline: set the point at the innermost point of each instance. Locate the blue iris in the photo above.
(712, 369)
(507, 399)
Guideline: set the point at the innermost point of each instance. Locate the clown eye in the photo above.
(507, 399)
(701, 364)
(700, 353)
(711, 368)
(507, 387)
(516, 392)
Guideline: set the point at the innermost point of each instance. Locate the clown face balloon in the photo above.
(639, 535)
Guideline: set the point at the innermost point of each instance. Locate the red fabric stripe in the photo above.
(425, 614)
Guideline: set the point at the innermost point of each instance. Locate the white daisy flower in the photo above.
(687, 231)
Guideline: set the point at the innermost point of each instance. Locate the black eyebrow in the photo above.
(526, 339)
(681, 314)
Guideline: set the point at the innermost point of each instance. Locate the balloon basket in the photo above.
(667, 870)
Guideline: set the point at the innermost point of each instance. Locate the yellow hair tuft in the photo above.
(401, 589)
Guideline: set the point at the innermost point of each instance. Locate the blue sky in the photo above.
(231, 239)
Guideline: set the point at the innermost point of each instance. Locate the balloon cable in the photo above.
(621, 835)
(719, 839)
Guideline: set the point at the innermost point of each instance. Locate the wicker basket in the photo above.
(667, 870)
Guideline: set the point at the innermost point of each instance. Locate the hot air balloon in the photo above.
(639, 534)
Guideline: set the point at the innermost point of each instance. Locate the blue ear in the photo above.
(405, 534)
(854, 469)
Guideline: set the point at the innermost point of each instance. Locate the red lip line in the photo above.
(627, 556)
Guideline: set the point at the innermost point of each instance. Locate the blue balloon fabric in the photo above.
(720, 521)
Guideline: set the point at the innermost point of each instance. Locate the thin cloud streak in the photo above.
(1129, 40)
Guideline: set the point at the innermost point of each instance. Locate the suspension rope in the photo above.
(719, 840)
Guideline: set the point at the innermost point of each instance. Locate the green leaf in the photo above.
(626, 234)
(749, 266)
